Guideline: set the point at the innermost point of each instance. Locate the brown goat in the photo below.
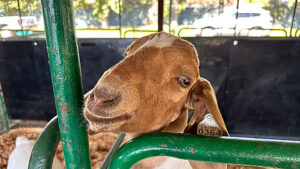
(151, 90)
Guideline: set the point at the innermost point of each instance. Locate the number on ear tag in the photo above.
(208, 127)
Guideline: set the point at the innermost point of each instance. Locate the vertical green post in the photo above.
(3, 113)
(66, 81)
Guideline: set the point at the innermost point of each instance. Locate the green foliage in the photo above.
(277, 10)
(101, 8)
(281, 12)
(28, 7)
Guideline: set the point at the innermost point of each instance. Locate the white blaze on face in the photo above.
(161, 40)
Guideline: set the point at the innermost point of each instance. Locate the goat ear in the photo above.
(202, 98)
(138, 43)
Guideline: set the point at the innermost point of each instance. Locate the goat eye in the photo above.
(184, 81)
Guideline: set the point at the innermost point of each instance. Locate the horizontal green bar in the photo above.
(265, 153)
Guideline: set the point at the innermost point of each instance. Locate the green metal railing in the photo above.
(140, 31)
(4, 123)
(185, 28)
(45, 147)
(112, 151)
(234, 29)
(67, 87)
(296, 33)
(254, 152)
(204, 28)
(263, 29)
(66, 81)
(277, 154)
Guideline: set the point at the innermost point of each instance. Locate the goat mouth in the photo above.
(106, 120)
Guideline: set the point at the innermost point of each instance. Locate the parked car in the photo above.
(10, 24)
(249, 18)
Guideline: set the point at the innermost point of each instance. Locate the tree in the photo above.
(27, 7)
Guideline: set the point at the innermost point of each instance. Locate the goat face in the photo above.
(146, 90)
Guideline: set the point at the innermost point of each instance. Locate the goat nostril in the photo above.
(105, 96)
(98, 100)
(104, 101)
(110, 100)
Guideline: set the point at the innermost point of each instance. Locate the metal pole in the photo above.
(254, 152)
(66, 81)
(3, 110)
(45, 147)
(20, 16)
(160, 15)
(221, 6)
(294, 13)
(170, 15)
(236, 15)
(120, 18)
(112, 151)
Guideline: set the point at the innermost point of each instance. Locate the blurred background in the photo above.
(132, 18)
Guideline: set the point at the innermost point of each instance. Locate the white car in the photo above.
(249, 18)
(9, 24)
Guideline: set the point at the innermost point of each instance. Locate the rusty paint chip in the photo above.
(193, 150)
(72, 166)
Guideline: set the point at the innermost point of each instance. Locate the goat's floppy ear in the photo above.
(202, 98)
(138, 43)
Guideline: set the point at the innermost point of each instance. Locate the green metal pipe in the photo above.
(45, 147)
(112, 151)
(66, 81)
(212, 149)
(3, 111)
